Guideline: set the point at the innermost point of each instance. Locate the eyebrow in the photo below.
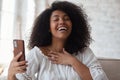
(58, 15)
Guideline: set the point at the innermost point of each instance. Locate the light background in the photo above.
(17, 16)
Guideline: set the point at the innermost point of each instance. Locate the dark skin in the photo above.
(16, 67)
(55, 52)
(65, 58)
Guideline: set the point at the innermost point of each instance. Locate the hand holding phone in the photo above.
(19, 47)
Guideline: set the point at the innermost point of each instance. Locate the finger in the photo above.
(17, 56)
(52, 52)
(53, 55)
(18, 64)
(21, 68)
(21, 63)
(24, 67)
(53, 58)
(21, 71)
(56, 62)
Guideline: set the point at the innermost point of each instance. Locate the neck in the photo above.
(57, 45)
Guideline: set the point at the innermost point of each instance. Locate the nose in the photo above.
(61, 21)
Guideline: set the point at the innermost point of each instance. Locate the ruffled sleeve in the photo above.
(94, 66)
(33, 59)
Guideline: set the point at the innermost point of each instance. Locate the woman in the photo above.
(59, 46)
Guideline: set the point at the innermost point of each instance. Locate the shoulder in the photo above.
(33, 51)
(86, 53)
(34, 54)
(87, 56)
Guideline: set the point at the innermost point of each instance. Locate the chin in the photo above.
(63, 37)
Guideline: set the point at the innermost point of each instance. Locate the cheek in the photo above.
(70, 26)
(52, 28)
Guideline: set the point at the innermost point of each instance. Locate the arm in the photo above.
(92, 65)
(16, 71)
(95, 68)
(81, 69)
(67, 59)
(88, 69)
(11, 77)
(16, 67)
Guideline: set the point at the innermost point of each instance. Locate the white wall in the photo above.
(104, 18)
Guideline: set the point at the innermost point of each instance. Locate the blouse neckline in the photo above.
(40, 51)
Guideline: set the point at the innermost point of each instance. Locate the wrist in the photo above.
(73, 61)
(11, 76)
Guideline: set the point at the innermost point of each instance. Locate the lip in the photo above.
(62, 27)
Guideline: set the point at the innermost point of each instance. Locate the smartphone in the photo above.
(19, 47)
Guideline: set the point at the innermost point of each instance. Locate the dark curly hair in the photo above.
(79, 38)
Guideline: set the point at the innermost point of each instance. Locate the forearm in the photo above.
(11, 77)
(81, 69)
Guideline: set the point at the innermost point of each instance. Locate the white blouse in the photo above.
(41, 68)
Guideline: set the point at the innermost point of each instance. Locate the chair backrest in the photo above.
(111, 68)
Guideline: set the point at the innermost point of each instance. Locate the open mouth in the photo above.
(62, 29)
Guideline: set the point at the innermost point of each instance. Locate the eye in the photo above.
(55, 19)
(66, 18)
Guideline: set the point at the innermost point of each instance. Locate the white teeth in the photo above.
(62, 28)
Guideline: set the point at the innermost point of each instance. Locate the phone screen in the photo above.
(19, 47)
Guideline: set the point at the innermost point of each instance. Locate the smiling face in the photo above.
(60, 25)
